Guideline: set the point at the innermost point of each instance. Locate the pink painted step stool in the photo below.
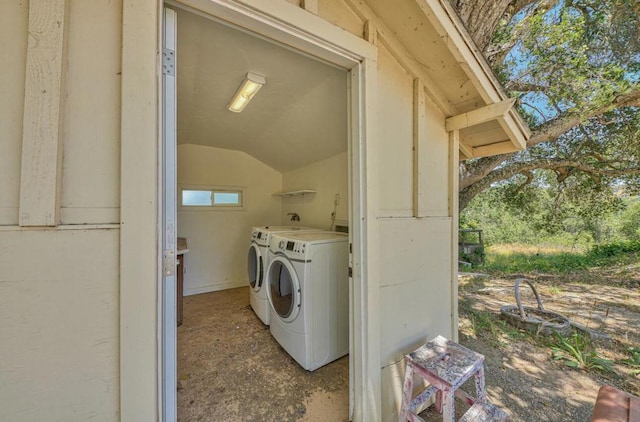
(446, 365)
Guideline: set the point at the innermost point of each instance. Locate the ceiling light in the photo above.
(251, 84)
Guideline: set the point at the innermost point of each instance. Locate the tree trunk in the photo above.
(482, 17)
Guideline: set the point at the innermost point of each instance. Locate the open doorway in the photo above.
(283, 161)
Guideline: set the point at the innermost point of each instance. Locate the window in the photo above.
(210, 198)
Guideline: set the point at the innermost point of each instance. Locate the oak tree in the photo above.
(574, 66)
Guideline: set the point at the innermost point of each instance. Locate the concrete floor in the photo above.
(231, 369)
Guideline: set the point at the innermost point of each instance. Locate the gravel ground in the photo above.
(521, 381)
(521, 376)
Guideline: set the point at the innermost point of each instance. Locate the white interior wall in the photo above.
(329, 178)
(218, 240)
(14, 16)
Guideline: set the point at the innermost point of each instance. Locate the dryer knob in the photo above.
(281, 244)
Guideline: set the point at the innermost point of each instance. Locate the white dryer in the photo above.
(257, 262)
(308, 289)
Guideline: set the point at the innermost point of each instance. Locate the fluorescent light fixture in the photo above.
(251, 84)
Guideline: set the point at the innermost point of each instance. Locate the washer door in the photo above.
(255, 267)
(283, 289)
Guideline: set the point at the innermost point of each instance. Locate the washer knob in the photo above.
(281, 244)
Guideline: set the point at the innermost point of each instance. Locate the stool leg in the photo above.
(439, 401)
(481, 393)
(407, 393)
(448, 406)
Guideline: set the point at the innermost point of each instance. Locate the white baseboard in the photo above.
(214, 288)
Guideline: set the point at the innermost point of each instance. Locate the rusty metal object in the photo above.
(537, 320)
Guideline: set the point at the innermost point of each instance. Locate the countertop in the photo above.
(182, 246)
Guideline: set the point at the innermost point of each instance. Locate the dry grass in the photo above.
(511, 249)
(603, 299)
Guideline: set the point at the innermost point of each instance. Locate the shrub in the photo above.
(577, 352)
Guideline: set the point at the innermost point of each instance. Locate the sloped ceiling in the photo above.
(298, 117)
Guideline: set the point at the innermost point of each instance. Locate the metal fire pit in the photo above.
(536, 320)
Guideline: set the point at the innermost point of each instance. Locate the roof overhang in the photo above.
(475, 103)
(493, 129)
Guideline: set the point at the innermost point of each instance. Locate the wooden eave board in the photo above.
(436, 38)
(499, 136)
(483, 134)
(414, 31)
(455, 36)
(515, 120)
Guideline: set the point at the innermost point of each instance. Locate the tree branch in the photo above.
(525, 87)
(529, 176)
(483, 17)
(480, 168)
(496, 53)
(563, 167)
(555, 127)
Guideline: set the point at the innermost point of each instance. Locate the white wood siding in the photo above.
(338, 13)
(91, 114)
(59, 324)
(435, 171)
(60, 287)
(395, 137)
(14, 18)
(51, 280)
(415, 295)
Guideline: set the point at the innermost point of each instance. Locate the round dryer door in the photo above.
(255, 267)
(283, 289)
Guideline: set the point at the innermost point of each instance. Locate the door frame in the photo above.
(168, 193)
(141, 313)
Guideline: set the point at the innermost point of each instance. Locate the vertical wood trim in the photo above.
(368, 288)
(371, 32)
(41, 165)
(385, 36)
(419, 148)
(454, 165)
(365, 304)
(310, 6)
(139, 262)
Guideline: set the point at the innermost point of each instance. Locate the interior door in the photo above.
(169, 236)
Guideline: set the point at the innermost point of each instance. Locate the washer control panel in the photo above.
(290, 246)
(293, 249)
(260, 237)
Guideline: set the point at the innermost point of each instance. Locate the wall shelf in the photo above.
(295, 192)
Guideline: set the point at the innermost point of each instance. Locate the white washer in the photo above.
(257, 262)
(308, 289)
